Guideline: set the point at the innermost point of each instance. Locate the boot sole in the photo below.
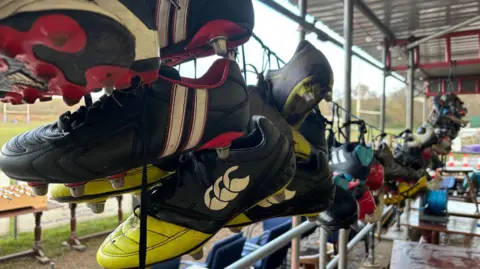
(304, 97)
(75, 51)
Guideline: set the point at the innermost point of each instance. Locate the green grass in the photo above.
(52, 238)
(9, 130)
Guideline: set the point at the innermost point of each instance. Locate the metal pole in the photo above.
(342, 248)
(295, 258)
(425, 109)
(302, 5)
(322, 258)
(347, 47)
(384, 86)
(333, 263)
(271, 247)
(410, 91)
(399, 227)
(370, 262)
(4, 113)
(441, 33)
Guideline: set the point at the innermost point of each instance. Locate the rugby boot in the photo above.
(352, 159)
(342, 214)
(407, 190)
(97, 191)
(314, 130)
(75, 47)
(200, 28)
(365, 200)
(424, 140)
(107, 138)
(259, 106)
(376, 176)
(298, 87)
(392, 169)
(203, 196)
(312, 191)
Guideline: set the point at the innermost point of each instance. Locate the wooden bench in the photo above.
(455, 225)
(36, 251)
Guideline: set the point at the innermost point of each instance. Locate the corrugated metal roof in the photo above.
(405, 18)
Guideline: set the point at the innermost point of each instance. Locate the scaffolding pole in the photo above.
(296, 220)
(347, 48)
(384, 86)
(411, 89)
(322, 258)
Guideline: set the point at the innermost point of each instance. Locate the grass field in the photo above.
(9, 130)
(52, 238)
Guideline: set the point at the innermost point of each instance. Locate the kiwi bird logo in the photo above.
(225, 190)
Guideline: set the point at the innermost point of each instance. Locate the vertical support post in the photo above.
(295, 259)
(4, 113)
(73, 221)
(448, 50)
(120, 210)
(411, 88)
(322, 257)
(302, 5)
(347, 48)
(425, 108)
(28, 114)
(383, 99)
(399, 213)
(342, 247)
(370, 262)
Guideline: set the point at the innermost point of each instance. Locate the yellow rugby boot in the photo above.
(298, 87)
(406, 190)
(98, 191)
(203, 195)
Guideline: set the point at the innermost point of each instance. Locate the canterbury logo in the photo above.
(272, 201)
(225, 190)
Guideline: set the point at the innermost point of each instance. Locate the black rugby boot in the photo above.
(200, 28)
(314, 130)
(342, 214)
(203, 196)
(392, 169)
(107, 138)
(301, 84)
(311, 192)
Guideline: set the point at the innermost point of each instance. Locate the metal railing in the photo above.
(287, 237)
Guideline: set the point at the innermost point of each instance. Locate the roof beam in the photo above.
(309, 27)
(368, 13)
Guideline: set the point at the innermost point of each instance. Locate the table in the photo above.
(455, 208)
(455, 225)
(36, 251)
(426, 256)
(471, 186)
